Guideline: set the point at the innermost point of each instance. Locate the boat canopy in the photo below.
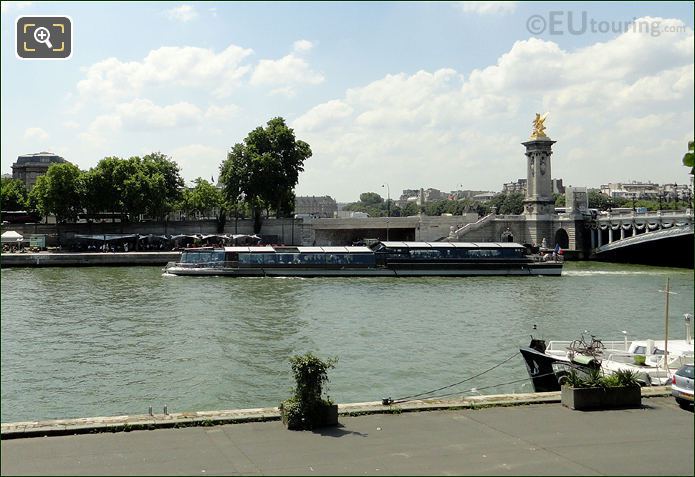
(271, 249)
(452, 244)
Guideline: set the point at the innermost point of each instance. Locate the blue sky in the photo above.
(412, 94)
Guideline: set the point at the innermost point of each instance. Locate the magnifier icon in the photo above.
(42, 35)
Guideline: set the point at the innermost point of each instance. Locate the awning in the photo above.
(12, 237)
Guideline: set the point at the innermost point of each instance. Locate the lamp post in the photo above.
(388, 208)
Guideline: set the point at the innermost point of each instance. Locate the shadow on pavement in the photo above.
(337, 431)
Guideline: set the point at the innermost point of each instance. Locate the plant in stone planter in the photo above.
(307, 409)
(597, 391)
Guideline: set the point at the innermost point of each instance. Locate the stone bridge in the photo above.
(663, 237)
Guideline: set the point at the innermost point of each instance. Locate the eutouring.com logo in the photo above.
(565, 22)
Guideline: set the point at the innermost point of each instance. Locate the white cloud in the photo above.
(199, 160)
(71, 125)
(487, 8)
(286, 73)
(6, 6)
(222, 113)
(143, 114)
(111, 79)
(609, 107)
(32, 134)
(101, 129)
(182, 13)
(302, 45)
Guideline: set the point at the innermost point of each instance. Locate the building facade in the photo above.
(320, 207)
(30, 166)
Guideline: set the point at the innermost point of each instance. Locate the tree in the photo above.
(371, 198)
(13, 195)
(148, 185)
(689, 157)
(203, 197)
(59, 192)
(163, 183)
(264, 169)
(600, 201)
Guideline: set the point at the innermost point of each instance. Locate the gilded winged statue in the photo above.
(539, 127)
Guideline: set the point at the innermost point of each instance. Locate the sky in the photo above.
(409, 95)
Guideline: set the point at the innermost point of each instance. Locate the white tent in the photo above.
(11, 237)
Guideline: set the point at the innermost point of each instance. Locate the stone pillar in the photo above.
(622, 232)
(598, 237)
(610, 234)
(539, 192)
(593, 238)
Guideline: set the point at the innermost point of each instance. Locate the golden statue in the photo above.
(539, 127)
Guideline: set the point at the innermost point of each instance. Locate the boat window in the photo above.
(484, 253)
(362, 258)
(337, 259)
(312, 258)
(640, 350)
(270, 259)
(428, 254)
(287, 258)
(202, 256)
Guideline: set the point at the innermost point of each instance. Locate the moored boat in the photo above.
(547, 365)
(380, 259)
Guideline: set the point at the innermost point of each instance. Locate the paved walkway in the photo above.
(535, 439)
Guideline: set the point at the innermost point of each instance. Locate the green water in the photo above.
(111, 341)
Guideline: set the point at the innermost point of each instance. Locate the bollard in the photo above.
(166, 411)
(151, 411)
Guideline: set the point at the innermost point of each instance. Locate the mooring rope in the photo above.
(406, 398)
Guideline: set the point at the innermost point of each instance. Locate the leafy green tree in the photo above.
(689, 157)
(38, 197)
(264, 169)
(600, 201)
(371, 198)
(204, 197)
(13, 195)
(59, 192)
(560, 200)
(163, 183)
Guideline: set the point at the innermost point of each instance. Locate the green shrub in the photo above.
(304, 410)
(596, 379)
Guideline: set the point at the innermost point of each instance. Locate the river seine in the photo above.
(79, 342)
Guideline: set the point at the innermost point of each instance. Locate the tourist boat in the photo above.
(379, 259)
(547, 365)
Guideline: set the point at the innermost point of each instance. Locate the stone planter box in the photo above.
(584, 399)
(327, 416)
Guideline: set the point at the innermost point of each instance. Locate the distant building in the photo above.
(484, 196)
(7, 176)
(521, 186)
(632, 189)
(30, 166)
(323, 206)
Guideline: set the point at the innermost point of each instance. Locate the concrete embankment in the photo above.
(108, 259)
(91, 425)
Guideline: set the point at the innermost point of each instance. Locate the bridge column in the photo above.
(610, 234)
(593, 238)
(599, 237)
(622, 232)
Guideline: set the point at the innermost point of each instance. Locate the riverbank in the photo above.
(87, 259)
(535, 439)
(91, 425)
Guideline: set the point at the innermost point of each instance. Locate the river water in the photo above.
(79, 342)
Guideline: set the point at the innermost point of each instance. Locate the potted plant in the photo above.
(307, 409)
(619, 390)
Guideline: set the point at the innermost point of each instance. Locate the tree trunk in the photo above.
(257, 219)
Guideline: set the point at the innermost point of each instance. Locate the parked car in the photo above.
(682, 386)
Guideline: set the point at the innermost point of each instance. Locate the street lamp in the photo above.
(388, 208)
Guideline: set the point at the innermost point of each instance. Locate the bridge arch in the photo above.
(562, 239)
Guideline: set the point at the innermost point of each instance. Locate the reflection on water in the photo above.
(108, 341)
